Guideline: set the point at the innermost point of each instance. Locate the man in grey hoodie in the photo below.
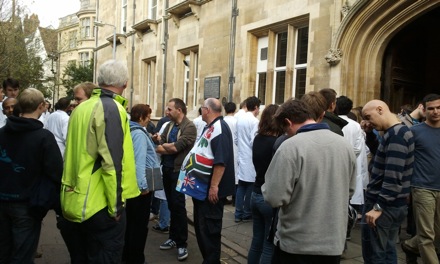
(312, 196)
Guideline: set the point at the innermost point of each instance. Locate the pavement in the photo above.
(236, 241)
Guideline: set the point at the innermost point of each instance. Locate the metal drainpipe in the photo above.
(164, 45)
(132, 57)
(95, 53)
(234, 15)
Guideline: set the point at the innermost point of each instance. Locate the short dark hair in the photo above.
(178, 103)
(252, 103)
(62, 104)
(344, 105)
(294, 110)
(267, 125)
(430, 98)
(139, 111)
(243, 104)
(407, 109)
(9, 82)
(230, 107)
(329, 95)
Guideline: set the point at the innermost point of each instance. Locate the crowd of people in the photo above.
(304, 172)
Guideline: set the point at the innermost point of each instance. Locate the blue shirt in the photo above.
(426, 157)
(168, 159)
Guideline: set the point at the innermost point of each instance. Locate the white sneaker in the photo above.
(182, 254)
(169, 244)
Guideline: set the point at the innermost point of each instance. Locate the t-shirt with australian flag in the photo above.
(215, 146)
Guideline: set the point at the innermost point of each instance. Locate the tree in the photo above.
(74, 74)
(17, 59)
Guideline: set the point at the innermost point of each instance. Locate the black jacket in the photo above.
(334, 122)
(31, 165)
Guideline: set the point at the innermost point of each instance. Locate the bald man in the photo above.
(8, 109)
(215, 146)
(389, 187)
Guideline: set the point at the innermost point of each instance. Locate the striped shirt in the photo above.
(392, 168)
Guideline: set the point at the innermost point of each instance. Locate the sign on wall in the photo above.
(212, 87)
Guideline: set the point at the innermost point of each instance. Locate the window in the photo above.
(85, 27)
(262, 69)
(84, 59)
(301, 61)
(94, 28)
(286, 75)
(72, 39)
(280, 67)
(190, 78)
(37, 44)
(186, 79)
(151, 67)
(152, 9)
(124, 16)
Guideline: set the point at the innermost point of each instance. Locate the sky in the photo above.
(49, 11)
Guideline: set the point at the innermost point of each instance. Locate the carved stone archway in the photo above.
(362, 38)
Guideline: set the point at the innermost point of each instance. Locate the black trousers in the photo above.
(176, 205)
(99, 239)
(282, 257)
(138, 216)
(208, 226)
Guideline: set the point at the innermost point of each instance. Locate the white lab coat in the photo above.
(232, 123)
(57, 123)
(356, 137)
(247, 127)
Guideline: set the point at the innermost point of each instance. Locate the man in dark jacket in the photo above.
(30, 175)
(333, 121)
(174, 144)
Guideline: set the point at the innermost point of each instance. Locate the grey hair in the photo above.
(112, 73)
(214, 105)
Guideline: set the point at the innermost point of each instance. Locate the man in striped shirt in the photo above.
(389, 187)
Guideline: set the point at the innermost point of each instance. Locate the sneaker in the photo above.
(153, 216)
(182, 254)
(238, 220)
(169, 244)
(164, 230)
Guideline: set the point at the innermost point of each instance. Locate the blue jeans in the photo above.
(261, 249)
(19, 233)
(243, 200)
(164, 214)
(379, 243)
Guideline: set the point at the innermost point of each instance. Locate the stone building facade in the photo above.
(76, 39)
(275, 49)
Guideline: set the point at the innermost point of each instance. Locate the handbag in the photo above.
(154, 179)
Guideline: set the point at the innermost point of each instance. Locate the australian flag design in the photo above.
(195, 174)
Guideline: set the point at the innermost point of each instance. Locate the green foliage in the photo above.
(74, 74)
(17, 60)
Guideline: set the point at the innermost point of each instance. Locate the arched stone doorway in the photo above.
(364, 37)
(411, 62)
